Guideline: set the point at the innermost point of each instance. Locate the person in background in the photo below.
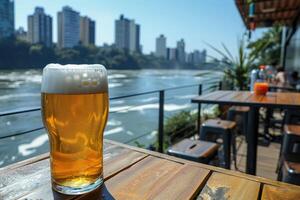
(280, 77)
(294, 79)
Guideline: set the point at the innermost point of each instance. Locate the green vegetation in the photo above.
(20, 54)
(267, 48)
(236, 68)
(183, 125)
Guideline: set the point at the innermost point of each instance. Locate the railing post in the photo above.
(161, 121)
(220, 85)
(199, 110)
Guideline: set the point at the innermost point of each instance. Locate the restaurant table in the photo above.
(285, 100)
(134, 173)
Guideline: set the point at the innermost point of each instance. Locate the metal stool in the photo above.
(291, 143)
(290, 148)
(242, 111)
(291, 173)
(213, 129)
(194, 150)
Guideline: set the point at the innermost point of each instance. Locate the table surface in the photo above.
(134, 173)
(246, 98)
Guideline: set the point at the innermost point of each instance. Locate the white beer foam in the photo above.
(74, 79)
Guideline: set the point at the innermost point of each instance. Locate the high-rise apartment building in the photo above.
(87, 31)
(197, 57)
(7, 18)
(161, 46)
(39, 27)
(68, 28)
(172, 54)
(127, 34)
(21, 34)
(181, 57)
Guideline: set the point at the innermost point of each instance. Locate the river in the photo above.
(129, 118)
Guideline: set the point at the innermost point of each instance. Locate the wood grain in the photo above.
(221, 186)
(208, 167)
(269, 98)
(141, 179)
(33, 181)
(277, 193)
(185, 184)
(285, 98)
(246, 98)
(214, 95)
(134, 173)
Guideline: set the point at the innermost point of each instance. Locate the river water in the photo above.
(131, 120)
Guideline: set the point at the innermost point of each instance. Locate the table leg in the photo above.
(253, 120)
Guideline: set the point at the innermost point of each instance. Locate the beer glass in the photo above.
(75, 107)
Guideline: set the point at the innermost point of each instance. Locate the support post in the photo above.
(161, 121)
(252, 140)
(199, 110)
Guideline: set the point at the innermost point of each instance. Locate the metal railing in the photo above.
(161, 101)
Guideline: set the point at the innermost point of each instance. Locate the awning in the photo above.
(268, 12)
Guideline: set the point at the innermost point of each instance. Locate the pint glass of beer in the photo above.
(74, 109)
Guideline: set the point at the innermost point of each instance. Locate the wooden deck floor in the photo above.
(267, 158)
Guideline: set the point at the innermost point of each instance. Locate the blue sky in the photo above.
(197, 21)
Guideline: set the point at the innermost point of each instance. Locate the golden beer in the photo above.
(75, 120)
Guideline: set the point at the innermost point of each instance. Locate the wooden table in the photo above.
(134, 173)
(286, 100)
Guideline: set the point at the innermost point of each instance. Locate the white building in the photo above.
(172, 53)
(87, 31)
(39, 27)
(68, 28)
(127, 34)
(161, 46)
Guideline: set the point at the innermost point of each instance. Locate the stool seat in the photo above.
(195, 150)
(292, 129)
(218, 123)
(240, 109)
(291, 172)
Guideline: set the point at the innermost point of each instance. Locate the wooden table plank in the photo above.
(241, 97)
(296, 98)
(214, 95)
(156, 178)
(185, 184)
(269, 98)
(153, 175)
(284, 98)
(138, 181)
(277, 193)
(208, 167)
(221, 186)
(22, 182)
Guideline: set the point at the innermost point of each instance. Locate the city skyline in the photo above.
(214, 22)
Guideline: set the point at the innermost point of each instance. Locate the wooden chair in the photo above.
(213, 129)
(194, 150)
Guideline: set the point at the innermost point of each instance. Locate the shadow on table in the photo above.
(100, 193)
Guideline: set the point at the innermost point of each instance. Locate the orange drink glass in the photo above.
(261, 88)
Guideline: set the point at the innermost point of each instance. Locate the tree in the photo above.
(267, 48)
